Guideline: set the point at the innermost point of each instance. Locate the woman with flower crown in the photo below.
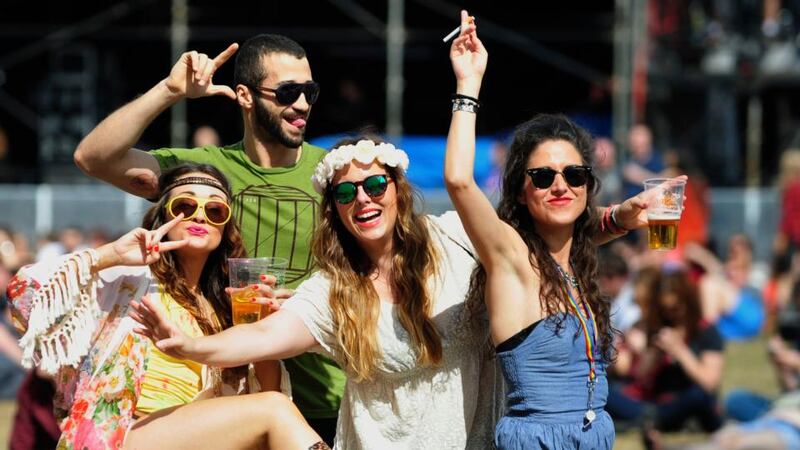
(386, 304)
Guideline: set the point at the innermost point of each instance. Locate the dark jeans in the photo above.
(666, 415)
(325, 428)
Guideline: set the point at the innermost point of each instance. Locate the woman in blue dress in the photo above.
(548, 322)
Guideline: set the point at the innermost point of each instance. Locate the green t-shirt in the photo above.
(277, 209)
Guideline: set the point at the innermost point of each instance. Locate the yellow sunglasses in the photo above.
(216, 212)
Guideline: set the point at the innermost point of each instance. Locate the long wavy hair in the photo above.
(354, 300)
(214, 277)
(686, 313)
(583, 254)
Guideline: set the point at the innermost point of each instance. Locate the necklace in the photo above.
(572, 280)
(589, 338)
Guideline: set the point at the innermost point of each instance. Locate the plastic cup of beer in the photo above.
(246, 272)
(664, 207)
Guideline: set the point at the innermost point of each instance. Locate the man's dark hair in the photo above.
(249, 69)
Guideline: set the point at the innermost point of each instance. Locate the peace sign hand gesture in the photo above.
(139, 247)
(192, 75)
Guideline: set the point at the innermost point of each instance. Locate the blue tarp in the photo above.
(426, 156)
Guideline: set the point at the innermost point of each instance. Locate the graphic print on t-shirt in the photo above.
(283, 219)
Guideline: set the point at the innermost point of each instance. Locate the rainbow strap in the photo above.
(589, 337)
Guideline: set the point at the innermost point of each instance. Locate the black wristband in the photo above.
(466, 97)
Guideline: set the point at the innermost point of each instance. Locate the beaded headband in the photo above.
(194, 180)
(364, 151)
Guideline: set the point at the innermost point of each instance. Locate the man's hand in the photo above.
(192, 76)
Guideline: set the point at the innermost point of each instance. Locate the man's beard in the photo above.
(269, 126)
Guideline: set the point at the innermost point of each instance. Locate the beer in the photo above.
(243, 310)
(663, 233)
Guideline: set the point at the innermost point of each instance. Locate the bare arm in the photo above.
(107, 151)
(493, 239)
(280, 335)
(705, 370)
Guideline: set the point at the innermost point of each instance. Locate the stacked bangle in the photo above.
(609, 222)
(466, 103)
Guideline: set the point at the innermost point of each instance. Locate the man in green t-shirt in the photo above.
(269, 170)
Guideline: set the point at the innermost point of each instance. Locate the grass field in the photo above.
(7, 409)
(746, 366)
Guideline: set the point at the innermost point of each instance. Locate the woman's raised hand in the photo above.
(467, 54)
(632, 213)
(165, 335)
(139, 247)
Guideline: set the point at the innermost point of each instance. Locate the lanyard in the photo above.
(590, 346)
(587, 335)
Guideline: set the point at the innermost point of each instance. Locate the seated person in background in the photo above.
(675, 363)
(615, 282)
(11, 372)
(632, 341)
(728, 300)
(777, 430)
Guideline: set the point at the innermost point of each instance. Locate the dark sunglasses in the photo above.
(216, 212)
(374, 186)
(575, 176)
(288, 93)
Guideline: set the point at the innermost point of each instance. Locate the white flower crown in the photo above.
(364, 151)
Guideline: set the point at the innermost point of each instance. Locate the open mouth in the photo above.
(368, 217)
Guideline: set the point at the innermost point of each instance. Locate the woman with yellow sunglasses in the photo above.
(114, 388)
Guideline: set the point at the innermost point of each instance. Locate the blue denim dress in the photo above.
(547, 394)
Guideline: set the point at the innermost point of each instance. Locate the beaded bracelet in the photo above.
(463, 104)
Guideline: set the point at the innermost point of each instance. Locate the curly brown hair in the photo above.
(353, 299)
(583, 253)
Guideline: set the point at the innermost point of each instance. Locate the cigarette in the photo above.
(470, 19)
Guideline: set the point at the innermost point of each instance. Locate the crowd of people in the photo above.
(543, 322)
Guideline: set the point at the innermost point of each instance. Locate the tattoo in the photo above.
(319, 446)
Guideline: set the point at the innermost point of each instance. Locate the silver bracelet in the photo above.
(464, 104)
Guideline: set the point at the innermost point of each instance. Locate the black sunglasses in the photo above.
(575, 176)
(374, 186)
(288, 93)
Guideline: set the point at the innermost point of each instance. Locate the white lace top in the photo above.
(451, 406)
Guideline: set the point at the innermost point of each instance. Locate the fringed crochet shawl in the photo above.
(75, 325)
